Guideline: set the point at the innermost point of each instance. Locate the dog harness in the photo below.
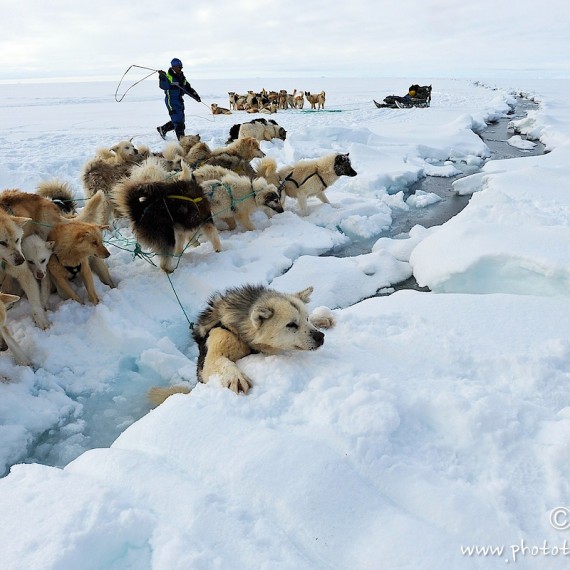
(230, 192)
(289, 178)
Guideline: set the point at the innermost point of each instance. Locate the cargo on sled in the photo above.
(417, 96)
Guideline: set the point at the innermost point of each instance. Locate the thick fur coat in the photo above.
(312, 177)
(166, 216)
(234, 198)
(245, 320)
(76, 245)
(260, 129)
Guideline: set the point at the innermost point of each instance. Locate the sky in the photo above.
(241, 38)
(427, 424)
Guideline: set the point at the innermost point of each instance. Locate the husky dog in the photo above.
(188, 141)
(165, 216)
(236, 156)
(198, 154)
(206, 172)
(75, 243)
(298, 100)
(5, 301)
(217, 110)
(38, 253)
(108, 166)
(11, 235)
(246, 148)
(246, 320)
(317, 100)
(260, 129)
(235, 197)
(42, 211)
(312, 177)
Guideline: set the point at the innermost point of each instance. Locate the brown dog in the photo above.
(217, 110)
(74, 244)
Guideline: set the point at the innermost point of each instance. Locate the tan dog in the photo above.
(312, 177)
(247, 148)
(217, 110)
(187, 142)
(11, 236)
(298, 99)
(42, 211)
(37, 253)
(18, 354)
(74, 244)
(234, 198)
(246, 320)
(317, 100)
(236, 156)
(106, 168)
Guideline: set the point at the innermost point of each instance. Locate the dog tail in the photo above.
(96, 210)
(59, 192)
(157, 395)
(267, 168)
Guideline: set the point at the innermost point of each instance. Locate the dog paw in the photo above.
(41, 322)
(237, 383)
(322, 318)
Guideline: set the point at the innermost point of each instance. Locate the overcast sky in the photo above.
(287, 38)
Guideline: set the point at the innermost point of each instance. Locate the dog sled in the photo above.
(417, 96)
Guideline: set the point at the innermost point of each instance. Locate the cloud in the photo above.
(243, 38)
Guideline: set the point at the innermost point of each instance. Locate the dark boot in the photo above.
(165, 129)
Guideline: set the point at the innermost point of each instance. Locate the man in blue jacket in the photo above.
(175, 86)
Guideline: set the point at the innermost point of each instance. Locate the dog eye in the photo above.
(293, 326)
(30, 262)
(3, 243)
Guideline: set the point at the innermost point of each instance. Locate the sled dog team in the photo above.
(270, 101)
(168, 199)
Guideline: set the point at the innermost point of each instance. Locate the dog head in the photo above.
(125, 150)
(188, 141)
(88, 239)
(342, 166)
(248, 148)
(37, 253)
(281, 322)
(11, 232)
(267, 196)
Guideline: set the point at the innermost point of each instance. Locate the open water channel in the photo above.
(496, 137)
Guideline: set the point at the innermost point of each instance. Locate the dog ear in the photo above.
(8, 299)
(305, 294)
(50, 245)
(260, 314)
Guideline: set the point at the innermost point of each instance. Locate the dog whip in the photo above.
(136, 83)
